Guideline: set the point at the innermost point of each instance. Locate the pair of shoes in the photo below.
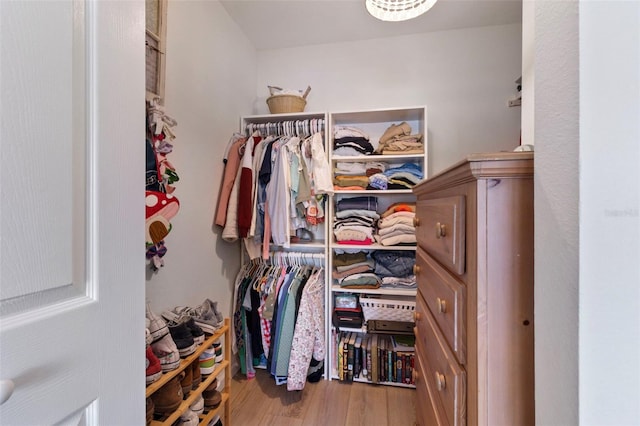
(162, 344)
(198, 405)
(154, 369)
(212, 397)
(217, 346)
(187, 381)
(189, 418)
(169, 397)
(183, 321)
(157, 326)
(147, 333)
(150, 409)
(207, 361)
(183, 338)
(195, 374)
(205, 315)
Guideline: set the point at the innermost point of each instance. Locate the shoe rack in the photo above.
(225, 365)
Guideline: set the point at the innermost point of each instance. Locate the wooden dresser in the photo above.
(474, 309)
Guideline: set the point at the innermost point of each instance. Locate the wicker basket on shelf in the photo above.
(282, 104)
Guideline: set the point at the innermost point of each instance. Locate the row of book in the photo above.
(377, 358)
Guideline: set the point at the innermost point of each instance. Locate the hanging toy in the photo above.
(160, 208)
(155, 253)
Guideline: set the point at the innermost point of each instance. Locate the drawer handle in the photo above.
(416, 270)
(416, 221)
(442, 305)
(415, 333)
(417, 316)
(415, 375)
(440, 381)
(441, 230)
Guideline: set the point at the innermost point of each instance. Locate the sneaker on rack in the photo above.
(187, 381)
(154, 369)
(189, 418)
(169, 397)
(167, 352)
(204, 315)
(196, 375)
(182, 338)
(207, 361)
(147, 333)
(198, 405)
(195, 329)
(214, 307)
(217, 346)
(157, 326)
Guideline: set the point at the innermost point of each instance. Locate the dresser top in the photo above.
(495, 165)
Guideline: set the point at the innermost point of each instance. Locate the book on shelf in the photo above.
(350, 355)
(375, 366)
(340, 357)
(403, 342)
(368, 360)
(357, 356)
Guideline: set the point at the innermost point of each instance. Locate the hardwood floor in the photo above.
(261, 402)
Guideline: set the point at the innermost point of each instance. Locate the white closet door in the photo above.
(72, 212)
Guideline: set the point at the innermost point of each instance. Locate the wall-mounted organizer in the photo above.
(396, 150)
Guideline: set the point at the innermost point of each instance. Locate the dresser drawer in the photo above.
(445, 297)
(426, 412)
(440, 230)
(444, 375)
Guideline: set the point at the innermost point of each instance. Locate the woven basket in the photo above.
(387, 309)
(282, 104)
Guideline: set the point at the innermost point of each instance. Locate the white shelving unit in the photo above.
(374, 123)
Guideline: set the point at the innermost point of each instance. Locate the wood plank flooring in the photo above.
(261, 402)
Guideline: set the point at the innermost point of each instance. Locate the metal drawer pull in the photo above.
(417, 316)
(440, 381)
(416, 270)
(441, 230)
(416, 221)
(442, 305)
(415, 375)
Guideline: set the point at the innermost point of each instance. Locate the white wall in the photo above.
(587, 104)
(464, 77)
(211, 74)
(609, 310)
(556, 190)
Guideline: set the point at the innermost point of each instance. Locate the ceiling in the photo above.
(275, 24)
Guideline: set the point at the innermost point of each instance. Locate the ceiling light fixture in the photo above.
(398, 10)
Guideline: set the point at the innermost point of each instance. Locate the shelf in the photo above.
(153, 387)
(383, 291)
(377, 157)
(222, 367)
(368, 382)
(371, 247)
(373, 191)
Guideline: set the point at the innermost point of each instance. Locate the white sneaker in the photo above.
(198, 405)
(205, 315)
(157, 326)
(167, 352)
(189, 418)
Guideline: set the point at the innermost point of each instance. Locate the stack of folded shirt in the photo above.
(355, 270)
(397, 139)
(355, 175)
(355, 220)
(395, 268)
(395, 226)
(405, 176)
(351, 141)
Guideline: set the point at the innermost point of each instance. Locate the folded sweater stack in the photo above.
(396, 227)
(356, 218)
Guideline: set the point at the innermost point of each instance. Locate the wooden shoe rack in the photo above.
(225, 365)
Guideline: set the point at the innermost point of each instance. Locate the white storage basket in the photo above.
(375, 308)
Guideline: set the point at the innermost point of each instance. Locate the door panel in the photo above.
(72, 211)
